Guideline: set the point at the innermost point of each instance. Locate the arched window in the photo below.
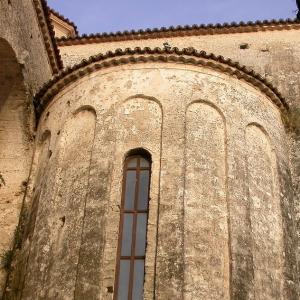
(130, 268)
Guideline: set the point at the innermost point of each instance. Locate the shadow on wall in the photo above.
(15, 150)
(10, 71)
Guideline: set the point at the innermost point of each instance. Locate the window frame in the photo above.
(135, 212)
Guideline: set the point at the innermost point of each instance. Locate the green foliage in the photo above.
(6, 259)
(294, 120)
(7, 256)
(19, 232)
(18, 238)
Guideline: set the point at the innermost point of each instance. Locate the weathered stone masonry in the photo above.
(27, 60)
(223, 143)
(192, 108)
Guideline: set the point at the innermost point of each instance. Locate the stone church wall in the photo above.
(24, 67)
(219, 186)
(213, 139)
(20, 28)
(275, 54)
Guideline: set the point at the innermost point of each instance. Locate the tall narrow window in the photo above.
(130, 270)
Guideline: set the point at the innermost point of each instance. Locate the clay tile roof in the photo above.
(138, 55)
(43, 14)
(58, 15)
(202, 29)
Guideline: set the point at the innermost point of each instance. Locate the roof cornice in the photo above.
(187, 56)
(43, 15)
(66, 20)
(193, 30)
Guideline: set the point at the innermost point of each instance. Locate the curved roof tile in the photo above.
(43, 14)
(202, 29)
(139, 55)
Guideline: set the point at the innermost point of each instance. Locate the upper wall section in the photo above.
(271, 49)
(24, 26)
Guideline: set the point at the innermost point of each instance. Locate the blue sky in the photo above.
(93, 16)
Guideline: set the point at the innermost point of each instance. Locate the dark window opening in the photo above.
(130, 270)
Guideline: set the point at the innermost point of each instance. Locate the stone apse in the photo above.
(219, 222)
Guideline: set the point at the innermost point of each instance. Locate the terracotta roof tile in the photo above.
(43, 14)
(139, 55)
(202, 29)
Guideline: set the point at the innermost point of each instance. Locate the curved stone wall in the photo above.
(219, 197)
(266, 221)
(205, 199)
